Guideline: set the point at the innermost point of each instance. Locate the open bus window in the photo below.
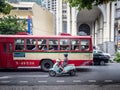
(75, 45)
(31, 44)
(53, 44)
(42, 44)
(64, 44)
(84, 45)
(19, 44)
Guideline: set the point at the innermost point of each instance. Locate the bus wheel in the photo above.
(46, 65)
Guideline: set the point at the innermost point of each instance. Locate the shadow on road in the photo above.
(83, 70)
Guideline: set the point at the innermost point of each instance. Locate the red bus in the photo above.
(30, 51)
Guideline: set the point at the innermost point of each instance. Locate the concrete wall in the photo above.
(21, 13)
(43, 21)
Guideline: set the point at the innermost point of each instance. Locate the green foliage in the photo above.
(81, 4)
(117, 57)
(5, 7)
(12, 25)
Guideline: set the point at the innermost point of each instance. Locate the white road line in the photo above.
(91, 81)
(76, 80)
(4, 81)
(23, 81)
(108, 81)
(4, 77)
(42, 81)
(60, 81)
(16, 76)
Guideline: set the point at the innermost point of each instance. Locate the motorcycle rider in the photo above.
(60, 68)
(65, 62)
(57, 65)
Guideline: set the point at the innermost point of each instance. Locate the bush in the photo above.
(117, 57)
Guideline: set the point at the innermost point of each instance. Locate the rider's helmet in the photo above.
(65, 54)
(57, 60)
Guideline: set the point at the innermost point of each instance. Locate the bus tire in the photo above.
(46, 65)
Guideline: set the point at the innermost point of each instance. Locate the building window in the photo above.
(84, 29)
(65, 26)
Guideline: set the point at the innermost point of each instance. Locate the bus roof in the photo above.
(44, 36)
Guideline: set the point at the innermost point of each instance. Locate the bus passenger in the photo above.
(55, 47)
(34, 48)
(44, 47)
(86, 47)
(51, 48)
(77, 48)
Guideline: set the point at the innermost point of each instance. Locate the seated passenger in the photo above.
(86, 47)
(77, 48)
(34, 48)
(44, 48)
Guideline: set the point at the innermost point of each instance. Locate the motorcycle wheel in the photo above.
(72, 72)
(52, 73)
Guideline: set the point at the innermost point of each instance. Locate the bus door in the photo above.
(6, 55)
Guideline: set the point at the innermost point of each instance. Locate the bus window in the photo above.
(19, 44)
(53, 44)
(64, 44)
(84, 45)
(31, 44)
(42, 44)
(75, 45)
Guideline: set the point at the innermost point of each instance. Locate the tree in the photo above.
(117, 57)
(5, 7)
(81, 4)
(12, 25)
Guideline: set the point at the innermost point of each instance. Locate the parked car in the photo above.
(99, 51)
(100, 59)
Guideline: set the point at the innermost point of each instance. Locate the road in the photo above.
(86, 75)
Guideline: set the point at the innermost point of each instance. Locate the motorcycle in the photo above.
(69, 69)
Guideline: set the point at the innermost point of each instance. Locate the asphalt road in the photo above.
(87, 78)
(86, 75)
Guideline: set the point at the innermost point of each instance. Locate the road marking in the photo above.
(91, 81)
(4, 77)
(16, 76)
(108, 81)
(42, 81)
(60, 81)
(76, 80)
(4, 81)
(23, 81)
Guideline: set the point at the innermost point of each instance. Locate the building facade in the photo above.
(41, 20)
(99, 22)
(117, 25)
